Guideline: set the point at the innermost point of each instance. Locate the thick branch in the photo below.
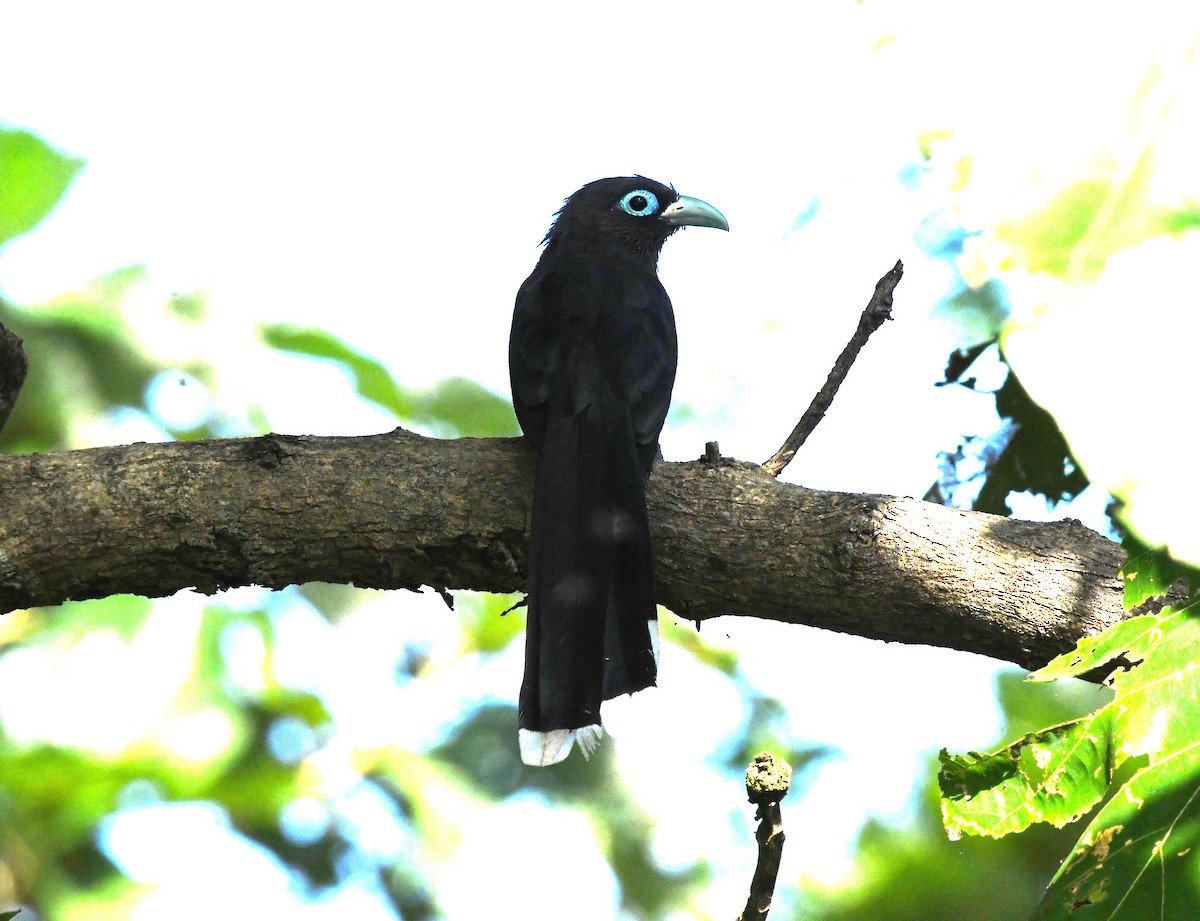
(399, 510)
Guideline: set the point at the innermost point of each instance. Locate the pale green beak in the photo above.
(692, 212)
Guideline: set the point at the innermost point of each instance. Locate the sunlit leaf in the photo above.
(1148, 573)
(1049, 776)
(1139, 857)
(1045, 240)
(33, 177)
(1140, 750)
(255, 790)
(1113, 208)
(192, 306)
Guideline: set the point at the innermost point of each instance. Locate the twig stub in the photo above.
(767, 782)
(878, 309)
(767, 778)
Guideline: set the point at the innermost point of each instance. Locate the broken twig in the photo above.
(878, 309)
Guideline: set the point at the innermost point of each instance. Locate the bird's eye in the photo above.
(640, 203)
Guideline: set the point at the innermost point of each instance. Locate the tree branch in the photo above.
(878, 309)
(399, 511)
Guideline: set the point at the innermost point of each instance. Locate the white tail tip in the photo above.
(542, 749)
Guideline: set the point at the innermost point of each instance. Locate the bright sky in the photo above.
(389, 175)
(386, 171)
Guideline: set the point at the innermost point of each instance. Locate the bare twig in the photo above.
(878, 309)
(13, 367)
(767, 782)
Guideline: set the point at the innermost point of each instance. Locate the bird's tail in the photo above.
(591, 584)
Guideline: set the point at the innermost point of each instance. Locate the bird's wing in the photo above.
(588, 333)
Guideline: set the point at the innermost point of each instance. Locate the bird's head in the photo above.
(631, 211)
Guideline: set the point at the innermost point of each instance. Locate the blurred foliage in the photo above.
(488, 621)
(916, 873)
(33, 177)
(82, 359)
(456, 407)
(1026, 453)
(592, 786)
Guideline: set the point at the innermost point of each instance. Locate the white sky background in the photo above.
(386, 171)
(389, 177)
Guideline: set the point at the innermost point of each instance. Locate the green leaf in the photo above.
(466, 408)
(1139, 857)
(372, 380)
(33, 177)
(1140, 750)
(1049, 776)
(1120, 641)
(1148, 572)
(9, 915)
(454, 407)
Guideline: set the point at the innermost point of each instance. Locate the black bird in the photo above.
(592, 359)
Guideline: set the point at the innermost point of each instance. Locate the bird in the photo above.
(592, 358)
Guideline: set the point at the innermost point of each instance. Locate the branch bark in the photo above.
(399, 511)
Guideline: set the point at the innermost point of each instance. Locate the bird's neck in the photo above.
(634, 250)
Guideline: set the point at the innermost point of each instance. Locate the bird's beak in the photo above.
(685, 211)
